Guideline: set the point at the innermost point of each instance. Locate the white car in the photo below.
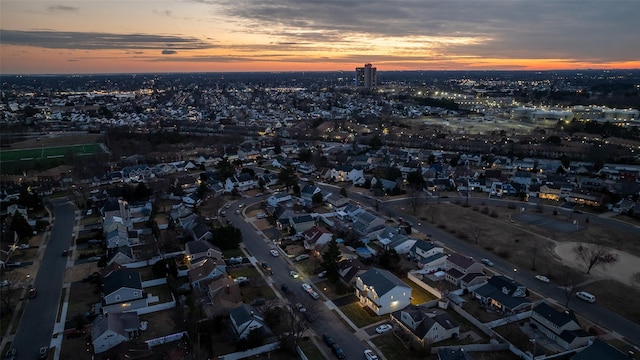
(294, 274)
(240, 279)
(542, 278)
(307, 287)
(274, 252)
(383, 328)
(487, 262)
(369, 355)
(314, 295)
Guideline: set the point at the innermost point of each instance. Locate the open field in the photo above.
(48, 152)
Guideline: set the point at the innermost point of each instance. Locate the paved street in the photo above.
(36, 327)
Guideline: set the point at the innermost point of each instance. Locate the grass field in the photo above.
(48, 152)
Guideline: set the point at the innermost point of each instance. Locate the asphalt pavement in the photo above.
(40, 313)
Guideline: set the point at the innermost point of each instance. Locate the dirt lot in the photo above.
(503, 231)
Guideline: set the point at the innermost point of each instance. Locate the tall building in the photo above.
(366, 76)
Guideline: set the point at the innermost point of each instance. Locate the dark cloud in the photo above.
(62, 8)
(168, 52)
(598, 30)
(98, 41)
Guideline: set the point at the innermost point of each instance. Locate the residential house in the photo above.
(365, 223)
(343, 173)
(120, 255)
(275, 199)
(336, 201)
(242, 182)
(308, 191)
(198, 249)
(457, 266)
(560, 326)
(381, 291)
(427, 326)
(203, 272)
(246, 318)
(111, 329)
(224, 295)
(600, 350)
(586, 197)
(301, 223)
(428, 255)
(348, 269)
(122, 292)
(316, 237)
(503, 294)
(201, 231)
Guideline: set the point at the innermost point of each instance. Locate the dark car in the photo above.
(65, 252)
(44, 352)
(32, 292)
(337, 350)
(10, 355)
(328, 340)
(286, 289)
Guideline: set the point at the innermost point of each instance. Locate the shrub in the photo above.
(494, 214)
(442, 226)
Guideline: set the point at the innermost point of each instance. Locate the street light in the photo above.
(515, 273)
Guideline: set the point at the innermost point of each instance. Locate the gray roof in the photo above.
(381, 280)
(423, 245)
(600, 350)
(244, 313)
(121, 323)
(199, 246)
(122, 278)
(301, 219)
(554, 316)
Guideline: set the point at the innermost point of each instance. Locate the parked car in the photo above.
(369, 355)
(294, 274)
(274, 252)
(487, 262)
(11, 354)
(32, 292)
(322, 274)
(286, 289)
(328, 340)
(301, 257)
(301, 307)
(4, 283)
(44, 352)
(542, 278)
(383, 328)
(261, 215)
(240, 279)
(258, 302)
(314, 295)
(337, 350)
(65, 252)
(307, 287)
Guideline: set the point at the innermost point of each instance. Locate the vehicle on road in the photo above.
(65, 252)
(237, 212)
(11, 354)
(370, 355)
(314, 295)
(240, 206)
(487, 262)
(542, 278)
(274, 252)
(294, 274)
(383, 328)
(43, 353)
(23, 246)
(227, 206)
(267, 268)
(301, 257)
(223, 213)
(307, 287)
(586, 296)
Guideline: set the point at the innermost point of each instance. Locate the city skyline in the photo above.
(66, 37)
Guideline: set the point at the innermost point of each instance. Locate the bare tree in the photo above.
(414, 200)
(568, 282)
(296, 322)
(475, 232)
(593, 255)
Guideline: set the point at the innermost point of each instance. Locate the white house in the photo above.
(278, 198)
(316, 237)
(381, 291)
(245, 318)
(109, 330)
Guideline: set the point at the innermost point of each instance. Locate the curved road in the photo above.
(40, 314)
(326, 322)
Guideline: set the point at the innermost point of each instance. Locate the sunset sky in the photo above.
(123, 36)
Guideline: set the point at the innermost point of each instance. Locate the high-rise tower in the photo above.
(366, 76)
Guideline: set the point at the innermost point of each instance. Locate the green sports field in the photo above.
(48, 152)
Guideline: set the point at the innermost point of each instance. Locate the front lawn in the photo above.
(393, 349)
(310, 349)
(247, 271)
(359, 316)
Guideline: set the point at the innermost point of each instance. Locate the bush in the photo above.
(485, 210)
(442, 226)
(494, 214)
